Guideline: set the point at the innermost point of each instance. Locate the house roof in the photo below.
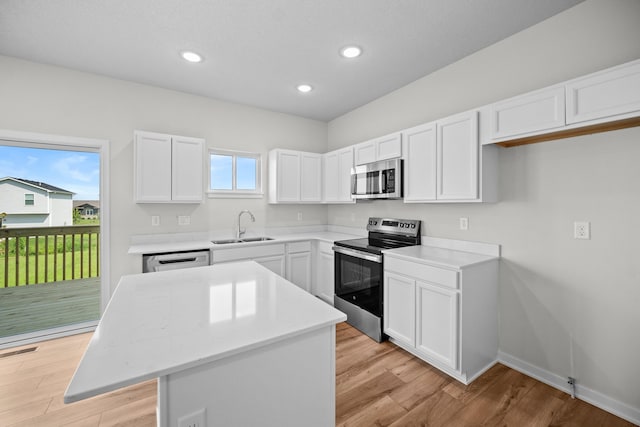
(91, 203)
(42, 185)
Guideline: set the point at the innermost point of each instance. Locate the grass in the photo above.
(57, 255)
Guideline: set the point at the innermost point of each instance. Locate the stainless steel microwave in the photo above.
(378, 180)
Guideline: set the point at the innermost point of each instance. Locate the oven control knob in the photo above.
(402, 225)
(413, 226)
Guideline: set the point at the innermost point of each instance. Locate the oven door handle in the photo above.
(358, 254)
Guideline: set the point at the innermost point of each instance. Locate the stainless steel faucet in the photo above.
(240, 232)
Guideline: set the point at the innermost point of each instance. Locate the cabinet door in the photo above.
(288, 177)
(420, 163)
(299, 269)
(457, 148)
(310, 177)
(399, 308)
(187, 169)
(345, 163)
(324, 285)
(437, 323)
(389, 147)
(331, 168)
(273, 263)
(152, 153)
(529, 113)
(604, 94)
(365, 153)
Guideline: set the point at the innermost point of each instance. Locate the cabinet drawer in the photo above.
(298, 247)
(250, 252)
(423, 272)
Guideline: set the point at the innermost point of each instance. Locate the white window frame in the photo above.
(32, 200)
(234, 192)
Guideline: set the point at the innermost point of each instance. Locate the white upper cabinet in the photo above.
(295, 177)
(533, 112)
(310, 177)
(443, 162)
(383, 148)
(337, 176)
(457, 157)
(607, 93)
(168, 168)
(186, 170)
(602, 101)
(420, 163)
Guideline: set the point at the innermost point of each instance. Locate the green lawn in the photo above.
(58, 255)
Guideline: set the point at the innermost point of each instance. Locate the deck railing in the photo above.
(48, 254)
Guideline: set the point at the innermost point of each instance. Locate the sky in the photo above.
(75, 171)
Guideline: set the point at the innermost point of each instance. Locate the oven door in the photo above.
(358, 279)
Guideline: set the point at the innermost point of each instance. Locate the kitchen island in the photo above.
(233, 343)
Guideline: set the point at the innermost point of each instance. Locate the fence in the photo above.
(48, 254)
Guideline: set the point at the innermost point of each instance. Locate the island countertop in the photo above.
(160, 323)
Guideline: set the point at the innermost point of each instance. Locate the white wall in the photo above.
(53, 100)
(61, 208)
(567, 306)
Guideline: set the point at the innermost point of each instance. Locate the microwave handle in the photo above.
(383, 181)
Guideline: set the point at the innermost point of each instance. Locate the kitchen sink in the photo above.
(247, 240)
(257, 239)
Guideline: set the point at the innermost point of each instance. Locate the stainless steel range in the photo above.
(359, 268)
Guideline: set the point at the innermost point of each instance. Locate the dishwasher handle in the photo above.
(174, 260)
(177, 260)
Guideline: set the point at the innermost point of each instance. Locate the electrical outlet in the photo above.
(299, 216)
(464, 223)
(184, 220)
(195, 419)
(155, 220)
(582, 230)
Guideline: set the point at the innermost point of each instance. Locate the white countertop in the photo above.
(160, 323)
(439, 257)
(196, 244)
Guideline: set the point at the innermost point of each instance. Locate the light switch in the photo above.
(184, 220)
(155, 220)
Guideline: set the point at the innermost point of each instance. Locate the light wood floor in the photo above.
(376, 385)
(43, 306)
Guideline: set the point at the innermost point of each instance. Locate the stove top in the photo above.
(373, 246)
(385, 233)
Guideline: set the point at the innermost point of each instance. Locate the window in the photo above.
(28, 200)
(234, 174)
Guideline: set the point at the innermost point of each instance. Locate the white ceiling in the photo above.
(257, 51)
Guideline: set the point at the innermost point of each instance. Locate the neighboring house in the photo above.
(34, 204)
(87, 209)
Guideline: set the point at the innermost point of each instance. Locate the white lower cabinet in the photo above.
(298, 264)
(291, 261)
(274, 263)
(437, 323)
(399, 305)
(323, 286)
(270, 256)
(445, 316)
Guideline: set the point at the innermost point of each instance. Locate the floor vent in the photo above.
(13, 353)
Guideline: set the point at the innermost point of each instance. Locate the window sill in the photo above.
(215, 195)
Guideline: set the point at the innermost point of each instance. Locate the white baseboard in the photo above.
(593, 397)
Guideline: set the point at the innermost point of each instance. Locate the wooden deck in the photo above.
(31, 308)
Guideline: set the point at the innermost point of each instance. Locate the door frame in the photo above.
(101, 146)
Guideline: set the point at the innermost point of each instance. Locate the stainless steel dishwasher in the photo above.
(175, 260)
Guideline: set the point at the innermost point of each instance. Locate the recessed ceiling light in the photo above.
(191, 56)
(350, 51)
(304, 88)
